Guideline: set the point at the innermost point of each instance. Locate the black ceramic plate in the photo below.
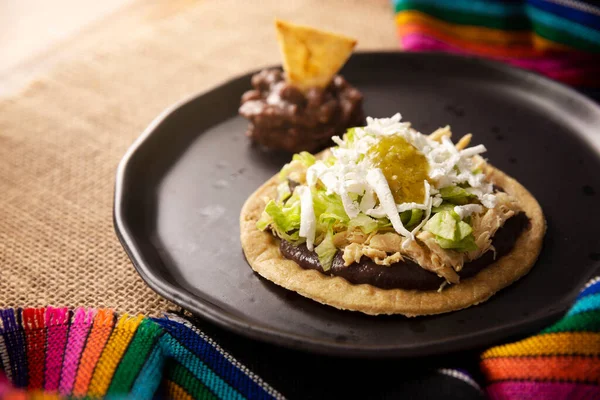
(181, 185)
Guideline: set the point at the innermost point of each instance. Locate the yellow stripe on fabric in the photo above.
(466, 32)
(174, 391)
(112, 354)
(580, 343)
(40, 395)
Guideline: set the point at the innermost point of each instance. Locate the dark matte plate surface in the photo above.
(181, 186)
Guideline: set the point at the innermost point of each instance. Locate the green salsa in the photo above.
(404, 167)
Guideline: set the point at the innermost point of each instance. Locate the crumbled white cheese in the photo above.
(467, 209)
(353, 176)
(377, 180)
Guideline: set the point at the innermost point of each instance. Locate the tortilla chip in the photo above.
(262, 252)
(311, 57)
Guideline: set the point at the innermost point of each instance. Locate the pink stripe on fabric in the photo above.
(560, 67)
(82, 322)
(557, 72)
(5, 385)
(423, 42)
(57, 323)
(420, 42)
(542, 390)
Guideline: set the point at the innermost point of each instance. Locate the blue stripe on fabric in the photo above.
(553, 21)
(588, 303)
(198, 368)
(485, 7)
(592, 289)
(149, 378)
(214, 359)
(14, 339)
(573, 14)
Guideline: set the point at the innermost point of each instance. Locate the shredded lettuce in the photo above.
(284, 218)
(264, 221)
(283, 221)
(443, 207)
(283, 191)
(442, 224)
(456, 195)
(329, 209)
(416, 215)
(463, 230)
(405, 216)
(466, 244)
(303, 159)
(450, 232)
(365, 223)
(326, 251)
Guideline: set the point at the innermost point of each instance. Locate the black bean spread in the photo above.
(282, 117)
(406, 274)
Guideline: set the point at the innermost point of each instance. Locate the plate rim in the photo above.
(224, 319)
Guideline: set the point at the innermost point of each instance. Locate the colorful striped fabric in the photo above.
(58, 353)
(557, 38)
(561, 362)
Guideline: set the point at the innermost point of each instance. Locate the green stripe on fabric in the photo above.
(140, 346)
(562, 24)
(465, 18)
(198, 368)
(564, 38)
(485, 7)
(584, 322)
(148, 380)
(178, 374)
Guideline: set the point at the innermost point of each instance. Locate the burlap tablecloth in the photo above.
(62, 137)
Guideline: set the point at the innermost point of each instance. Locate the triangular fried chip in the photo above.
(311, 57)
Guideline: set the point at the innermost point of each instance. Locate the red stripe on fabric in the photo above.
(563, 368)
(35, 336)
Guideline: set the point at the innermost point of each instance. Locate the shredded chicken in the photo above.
(442, 256)
(297, 172)
(425, 252)
(486, 225)
(464, 142)
(478, 162)
(389, 260)
(386, 248)
(428, 253)
(440, 133)
(389, 242)
(354, 252)
(430, 261)
(345, 238)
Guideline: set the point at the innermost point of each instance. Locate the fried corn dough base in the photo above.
(262, 252)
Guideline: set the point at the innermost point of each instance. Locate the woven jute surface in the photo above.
(62, 137)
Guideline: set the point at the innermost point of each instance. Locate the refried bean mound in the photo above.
(282, 117)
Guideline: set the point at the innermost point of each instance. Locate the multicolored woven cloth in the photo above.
(56, 353)
(561, 362)
(557, 38)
